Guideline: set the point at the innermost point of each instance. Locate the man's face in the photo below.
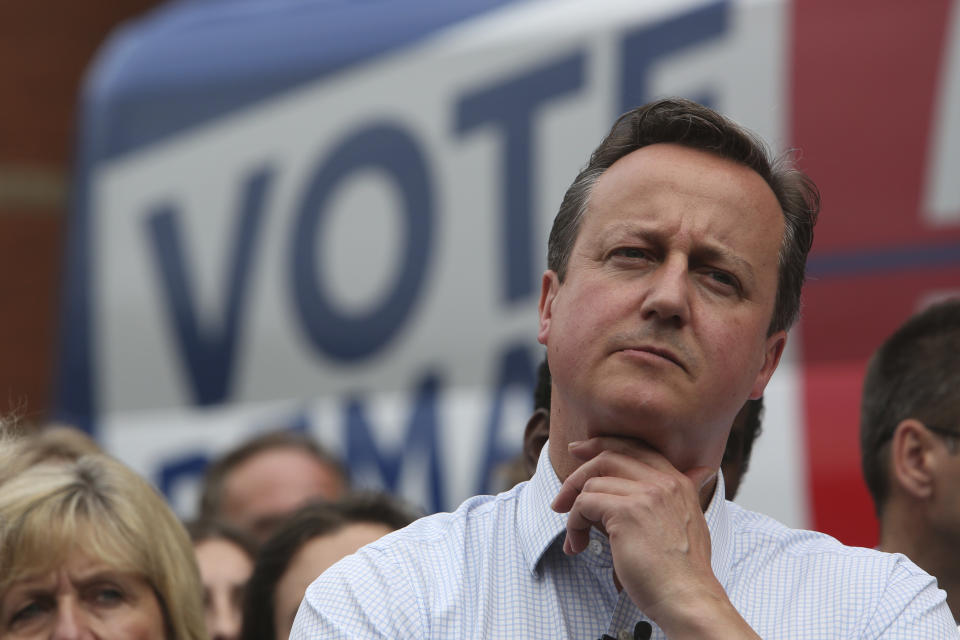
(659, 330)
(943, 506)
(263, 490)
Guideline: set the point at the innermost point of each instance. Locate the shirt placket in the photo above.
(623, 622)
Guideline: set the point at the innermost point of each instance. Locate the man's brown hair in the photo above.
(684, 122)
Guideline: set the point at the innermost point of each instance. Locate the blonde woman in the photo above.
(89, 548)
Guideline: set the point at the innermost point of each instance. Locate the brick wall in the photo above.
(45, 46)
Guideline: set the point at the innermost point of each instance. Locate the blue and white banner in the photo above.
(357, 251)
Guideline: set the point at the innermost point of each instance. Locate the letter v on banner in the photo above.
(207, 352)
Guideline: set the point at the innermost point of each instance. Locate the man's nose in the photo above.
(667, 295)
(69, 622)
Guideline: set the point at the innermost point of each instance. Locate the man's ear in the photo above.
(548, 292)
(773, 350)
(911, 458)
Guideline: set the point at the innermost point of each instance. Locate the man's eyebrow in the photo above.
(705, 251)
(719, 254)
(624, 231)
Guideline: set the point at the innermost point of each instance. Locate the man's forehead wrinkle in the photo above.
(680, 176)
(654, 232)
(629, 230)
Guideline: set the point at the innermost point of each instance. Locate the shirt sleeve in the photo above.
(912, 606)
(364, 596)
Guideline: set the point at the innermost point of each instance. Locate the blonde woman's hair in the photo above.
(97, 506)
(20, 449)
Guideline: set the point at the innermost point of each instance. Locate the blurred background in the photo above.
(225, 216)
(47, 46)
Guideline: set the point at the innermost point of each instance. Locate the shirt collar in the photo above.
(717, 516)
(538, 526)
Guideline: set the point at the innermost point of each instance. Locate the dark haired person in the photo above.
(314, 538)
(910, 442)
(256, 485)
(736, 454)
(675, 267)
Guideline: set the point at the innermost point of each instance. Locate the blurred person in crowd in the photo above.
(675, 269)
(910, 443)
(258, 484)
(521, 467)
(88, 549)
(303, 547)
(736, 456)
(225, 556)
(537, 431)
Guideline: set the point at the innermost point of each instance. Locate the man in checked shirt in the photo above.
(675, 266)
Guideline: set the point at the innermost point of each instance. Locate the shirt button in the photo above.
(595, 548)
(625, 635)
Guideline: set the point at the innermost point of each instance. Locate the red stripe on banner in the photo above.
(865, 76)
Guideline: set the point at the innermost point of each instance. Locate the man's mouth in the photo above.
(666, 354)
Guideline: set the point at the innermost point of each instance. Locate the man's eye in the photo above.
(724, 278)
(633, 253)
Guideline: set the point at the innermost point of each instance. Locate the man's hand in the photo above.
(659, 539)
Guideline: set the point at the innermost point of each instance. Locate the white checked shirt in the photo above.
(495, 568)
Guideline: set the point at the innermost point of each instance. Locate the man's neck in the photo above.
(910, 535)
(563, 463)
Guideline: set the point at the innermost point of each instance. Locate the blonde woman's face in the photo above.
(84, 598)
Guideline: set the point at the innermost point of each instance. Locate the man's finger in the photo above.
(587, 512)
(607, 464)
(632, 447)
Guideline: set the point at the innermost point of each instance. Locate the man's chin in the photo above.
(628, 436)
(663, 438)
(637, 415)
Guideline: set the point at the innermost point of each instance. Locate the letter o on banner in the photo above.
(351, 336)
